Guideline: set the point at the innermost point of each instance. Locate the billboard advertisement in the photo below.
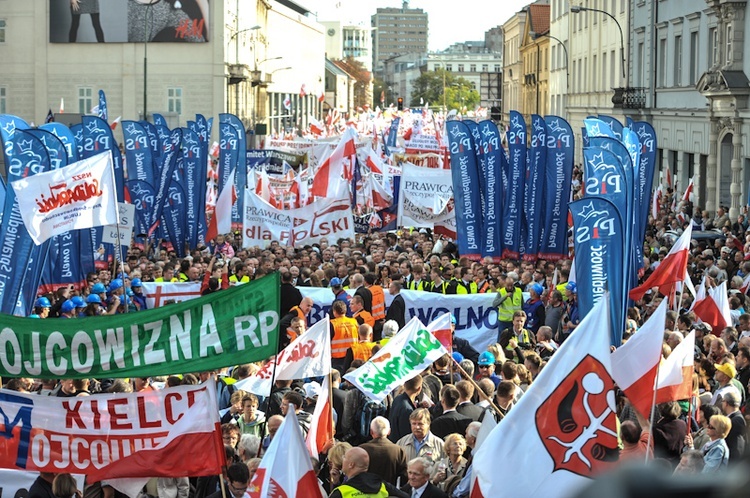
(101, 21)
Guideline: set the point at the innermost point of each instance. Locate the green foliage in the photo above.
(430, 85)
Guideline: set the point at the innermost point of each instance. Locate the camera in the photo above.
(219, 261)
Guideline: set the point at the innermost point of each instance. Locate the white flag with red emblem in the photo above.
(321, 425)
(306, 356)
(636, 363)
(286, 470)
(563, 431)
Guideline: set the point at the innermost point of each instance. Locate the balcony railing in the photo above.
(629, 98)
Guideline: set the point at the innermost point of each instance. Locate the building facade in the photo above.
(534, 53)
(396, 32)
(211, 60)
(688, 59)
(513, 31)
(348, 40)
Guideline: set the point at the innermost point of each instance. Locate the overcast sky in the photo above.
(450, 21)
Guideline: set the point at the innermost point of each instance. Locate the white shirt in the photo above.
(416, 493)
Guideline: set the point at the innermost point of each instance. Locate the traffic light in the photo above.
(400, 103)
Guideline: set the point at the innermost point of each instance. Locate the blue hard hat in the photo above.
(136, 282)
(453, 319)
(129, 291)
(115, 284)
(458, 356)
(538, 289)
(335, 282)
(571, 286)
(94, 298)
(122, 276)
(98, 288)
(68, 306)
(486, 358)
(43, 302)
(78, 301)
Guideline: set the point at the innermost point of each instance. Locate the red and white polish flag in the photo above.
(635, 364)
(670, 271)
(713, 309)
(286, 470)
(331, 171)
(321, 426)
(221, 222)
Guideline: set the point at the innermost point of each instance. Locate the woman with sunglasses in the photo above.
(715, 452)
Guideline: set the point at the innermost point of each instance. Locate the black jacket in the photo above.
(401, 408)
(450, 423)
(397, 311)
(290, 296)
(736, 438)
(369, 483)
(467, 350)
(470, 410)
(431, 491)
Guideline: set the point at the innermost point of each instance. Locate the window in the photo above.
(85, 99)
(449, 67)
(678, 60)
(497, 68)
(2, 30)
(595, 73)
(662, 62)
(437, 67)
(694, 57)
(612, 69)
(604, 71)
(640, 64)
(460, 68)
(485, 68)
(473, 68)
(3, 100)
(174, 100)
(729, 44)
(713, 46)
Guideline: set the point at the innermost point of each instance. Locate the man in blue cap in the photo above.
(339, 294)
(41, 308)
(571, 319)
(534, 308)
(139, 298)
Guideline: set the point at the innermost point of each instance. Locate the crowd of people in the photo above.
(422, 436)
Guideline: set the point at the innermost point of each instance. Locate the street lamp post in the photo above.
(575, 9)
(146, 35)
(535, 36)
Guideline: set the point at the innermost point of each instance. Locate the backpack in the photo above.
(368, 411)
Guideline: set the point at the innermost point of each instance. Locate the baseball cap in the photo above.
(486, 358)
(335, 282)
(727, 369)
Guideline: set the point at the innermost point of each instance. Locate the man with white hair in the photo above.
(386, 458)
(418, 471)
(674, 339)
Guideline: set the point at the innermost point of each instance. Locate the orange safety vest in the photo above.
(292, 334)
(345, 333)
(378, 302)
(362, 350)
(366, 318)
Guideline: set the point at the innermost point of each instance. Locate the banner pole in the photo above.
(223, 486)
(479, 390)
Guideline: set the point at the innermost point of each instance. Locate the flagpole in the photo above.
(479, 390)
(653, 411)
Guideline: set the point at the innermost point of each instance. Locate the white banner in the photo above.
(476, 318)
(323, 298)
(159, 293)
(127, 216)
(307, 356)
(426, 197)
(326, 218)
(81, 195)
(405, 356)
(17, 482)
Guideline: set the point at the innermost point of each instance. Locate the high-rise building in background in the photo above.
(397, 32)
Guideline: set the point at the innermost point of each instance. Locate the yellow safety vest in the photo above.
(350, 492)
(510, 305)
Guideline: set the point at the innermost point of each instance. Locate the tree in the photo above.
(362, 77)
(428, 88)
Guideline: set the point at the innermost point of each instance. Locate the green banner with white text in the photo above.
(230, 327)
